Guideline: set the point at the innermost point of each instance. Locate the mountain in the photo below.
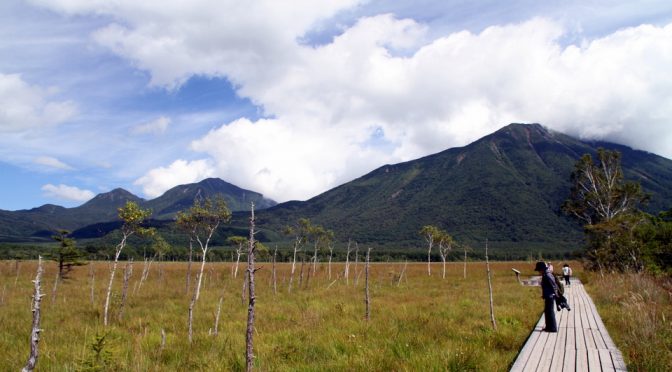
(40, 223)
(182, 197)
(506, 187)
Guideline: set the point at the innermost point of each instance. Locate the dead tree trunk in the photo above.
(331, 253)
(35, 332)
(219, 310)
(113, 270)
(346, 271)
(403, 272)
(145, 272)
(465, 263)
(356, 263)
(492, 308)
(239, 252)
(275, 276)
(93, 282)
(53, 291)
(367, 298)
(297, 241)
(303, 263)
(128, 271)
(249, 355)
(191, 254)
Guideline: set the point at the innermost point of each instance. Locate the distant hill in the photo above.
(99, 213)
(506, 187)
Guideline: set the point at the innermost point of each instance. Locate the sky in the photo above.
(293, 98)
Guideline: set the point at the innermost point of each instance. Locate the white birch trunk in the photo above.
(113, 270)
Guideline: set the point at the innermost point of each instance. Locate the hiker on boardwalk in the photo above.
(566, 273)
(548, 292)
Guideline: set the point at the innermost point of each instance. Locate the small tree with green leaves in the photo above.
(132, 217)
(202, 219)
(67, 256)
(445, 242)
(430, 233)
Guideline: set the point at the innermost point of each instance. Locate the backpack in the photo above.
(561, 287)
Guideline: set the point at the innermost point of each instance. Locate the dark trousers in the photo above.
(549, 315)
(566, 279)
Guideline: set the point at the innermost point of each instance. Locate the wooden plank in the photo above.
(582, 360)
(599, 339)
(570, 343)
(570, 361)
(526, 351)
(535, 356)
(594, 360)
(582, 342)
(588, 336)
(547, 353)
(605, 360)
(557, 363)
(617, 358)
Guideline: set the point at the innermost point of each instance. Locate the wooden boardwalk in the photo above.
(581, 343)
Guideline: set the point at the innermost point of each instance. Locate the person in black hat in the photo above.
(549, 289)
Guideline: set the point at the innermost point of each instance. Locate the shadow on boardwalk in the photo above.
(581, 343)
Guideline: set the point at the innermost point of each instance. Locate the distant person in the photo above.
(548, 292)
(566, 273)
(549, 267)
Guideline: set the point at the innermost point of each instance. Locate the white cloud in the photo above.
(425, 95)
(157, 126)
(180, 172)
(26, 107)
(51, 162)
(282, 162)
(65, 192)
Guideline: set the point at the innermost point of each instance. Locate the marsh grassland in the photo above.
(417, 323)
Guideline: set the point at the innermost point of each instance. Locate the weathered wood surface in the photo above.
(581, 343)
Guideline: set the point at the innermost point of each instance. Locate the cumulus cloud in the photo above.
(26, 106)
(51, 162)
(158, 180)
(384, 77)
(65, 192)
(157, 126)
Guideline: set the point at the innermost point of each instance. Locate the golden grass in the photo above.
(425, 323)
(637, 311)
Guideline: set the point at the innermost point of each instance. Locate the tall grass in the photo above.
(637, 311)
(425, 323)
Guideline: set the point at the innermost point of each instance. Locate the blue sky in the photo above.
(293, 98)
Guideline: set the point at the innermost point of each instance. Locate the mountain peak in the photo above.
(115, 198)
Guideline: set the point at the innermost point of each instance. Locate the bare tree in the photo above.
(274, 275)
(249, 342)
(299, 232)
(128, 271)
(132, 216)
(240, 242)
(492, 308)
(202, 219)
(35, 331)
(367, 298)
(346, 270)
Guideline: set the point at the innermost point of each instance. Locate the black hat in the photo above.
(541, 266)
